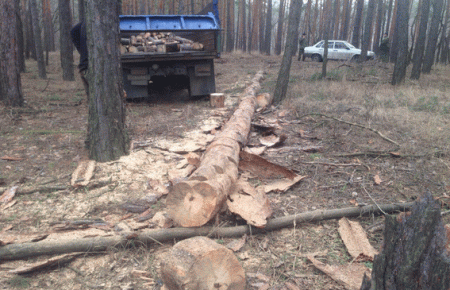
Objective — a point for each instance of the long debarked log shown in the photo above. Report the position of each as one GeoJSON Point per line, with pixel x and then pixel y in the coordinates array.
{"type": "Point", "coordinates": [97, 244]}
{"type": "Point", "coordinates": [194, 202]}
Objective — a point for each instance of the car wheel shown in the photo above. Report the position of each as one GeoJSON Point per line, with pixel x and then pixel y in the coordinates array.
{"type": "Point", "coordinates": [355, 57]}
{"type": "Point", "coordinates": [316, 57]}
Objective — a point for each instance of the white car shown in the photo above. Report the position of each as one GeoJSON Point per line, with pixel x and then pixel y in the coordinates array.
{"type": "Point", "coordinates": [337, 49]}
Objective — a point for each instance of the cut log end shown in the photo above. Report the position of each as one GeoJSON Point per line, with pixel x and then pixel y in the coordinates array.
{"type": "Point", "coordinates": [200, 263]}
{"type": "Point", "coordinates": [191, 206]}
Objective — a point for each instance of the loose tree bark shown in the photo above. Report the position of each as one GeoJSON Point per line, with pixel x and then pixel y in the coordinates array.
{"type": "Point", "coordinates": [10, 82]}
{"type": "Point", "coordinates": [194, 202]}
{"type": "Point", "coordinates": [414, 254]}
{"type": "Point", "coordinates": [201, 263]}
{"type": "Point", "coordinates": [108, 139]}
{"type": "Point", "coordinates": [402, 32]}
{"type": "Point", "coordinates": [289, 51]}
{"type": "Point", "coordinates": [96, 244]}
{"type": "Point", "coordinates": [66, 46]}
{"type": "Point", "coordinates": [420, 42]}
{"type": "Point", "coordinates": [37, 39]}
{"type": "Point", "coordinates": [430, 51]}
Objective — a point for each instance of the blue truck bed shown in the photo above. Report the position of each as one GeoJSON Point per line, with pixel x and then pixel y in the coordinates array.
{"type": "Point", "coordinates": [144, 70]}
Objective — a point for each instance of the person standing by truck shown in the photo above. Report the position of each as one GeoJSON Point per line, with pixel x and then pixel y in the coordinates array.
{"type": "Point", "coordinates": [301, 47]}
{"type": "Point", "coordinates": [78, 35]}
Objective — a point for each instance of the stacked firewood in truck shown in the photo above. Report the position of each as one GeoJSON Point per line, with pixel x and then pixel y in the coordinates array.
{"type": "Point", "coordinates": [154, 42]}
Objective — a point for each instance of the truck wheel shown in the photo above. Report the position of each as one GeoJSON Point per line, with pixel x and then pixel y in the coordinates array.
{"type": "Point", "coordinates": [316, 58]}
{"type": "Point", "coordinates": [355, 57]}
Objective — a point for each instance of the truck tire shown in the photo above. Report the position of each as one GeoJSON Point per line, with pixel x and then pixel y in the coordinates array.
{"type": "Point", "coordinates": [316, 58]}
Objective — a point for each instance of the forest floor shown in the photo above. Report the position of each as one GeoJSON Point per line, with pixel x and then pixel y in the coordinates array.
{"type": "Point", "coordinates": [340, 115]}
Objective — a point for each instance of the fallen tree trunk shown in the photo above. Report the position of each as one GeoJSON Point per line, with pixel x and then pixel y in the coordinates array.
{"type": "Point", "coordinates": [194, 202]}
{"type": "Point", "coordinates": [96, 244]}
{"type": "Point", "coordinates": [201, 263]}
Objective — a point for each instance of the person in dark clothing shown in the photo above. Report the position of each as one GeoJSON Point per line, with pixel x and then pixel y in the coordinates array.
{"type": "Point", "coordinates": [384, 48]}
{"type": "Point", "coordinates": [78, 35]}
{"type": "Point", "coordinates": [301, 47]}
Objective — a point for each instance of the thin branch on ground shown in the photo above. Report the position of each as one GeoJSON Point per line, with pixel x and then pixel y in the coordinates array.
{"type": "Point", "coordinates": [356, 125]}
{"type": "Point", "coordinates": [103, 243]}
{"type": "Point", "coordinates": [374, 200]}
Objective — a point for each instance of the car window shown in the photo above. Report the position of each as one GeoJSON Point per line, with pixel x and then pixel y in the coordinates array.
{"type": "Point", "coordinates": [319, 45]}
{"type": "Point", "coordinates": [330, 45]}
{"type": "Point", "coordinates": [340, 45]}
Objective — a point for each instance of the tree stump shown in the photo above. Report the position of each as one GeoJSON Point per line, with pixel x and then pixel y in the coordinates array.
{"type": "Point", "coordinates": [414, 254]}
{"type": "Point", "coordinates": [217, 100]}
{"type": "Point", "coordinates": [201, 264]}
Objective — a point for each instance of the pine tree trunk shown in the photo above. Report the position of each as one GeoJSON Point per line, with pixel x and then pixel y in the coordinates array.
{"type": "Point", "coordinates": [230, 25]}
{"type": "Point", "coordinates": [280, 27]}
{"type": "Point", "coordinates": [326, 13]}
{"type": "Point", "coordinates": [289, 51]}
{"type": "Point", "coordinates": [20, 38]}
{"type": "Point", "coordinates": [66, 47]}
{"type": "Point", "coordinates": [430, 51]}
{"type": "Point", "coordinates": [30, 50]}
{"type": "Point", "coordinates": [346, 21]}
{"type": "Point", "coordinates": [378, 25]}
{"type": "Point", "coordinates": [49, 34]}
{"type": "Point", "coordinates": [37, 39]}
{"type": "Point", "coordinates": [337, 15]}
{"type": "Point", "coordinates": [394, 34]}
{"type": "Point", "coordinates": [358, 22]}
{"type": "Point", "coordinates": [10, 83]}
{"type": "Point", "coordinates": [268, 34]}
{"type": "Point", "coordinates": [108, 139]}
{"type": "Point", "coordinates": [421, 38]}
{"type": "Point", "coordinates": [402, 33]}
{"type": "Point", "coordinates": [367, 30]}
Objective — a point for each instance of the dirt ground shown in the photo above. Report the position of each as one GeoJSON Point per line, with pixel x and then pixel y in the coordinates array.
{"type": "Point", "coordinates": [374, 143]}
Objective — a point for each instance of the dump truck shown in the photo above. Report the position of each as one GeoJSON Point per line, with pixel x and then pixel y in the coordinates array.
{"type": "Point", "coordinates": [169, 51]}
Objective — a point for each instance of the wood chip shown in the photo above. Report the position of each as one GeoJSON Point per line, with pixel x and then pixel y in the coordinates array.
{"type": "Point", "coordinates": [83, 174]}
{"type": "Point", "coordinates": [8, 195]}
{"type": "Point", "coordinates": [350, 275]}
{"type": "Point", "coordinates": [250, 203]}
{"type": "Point", "coordinates": [282, 185]}
{"type": "Point", "coordinates": [355, 239]}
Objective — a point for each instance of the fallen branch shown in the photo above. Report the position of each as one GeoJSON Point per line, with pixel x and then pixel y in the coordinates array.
{"type": "Point", "coordinates": [96, 244]}
{"type": "Point", "coordinates": [57, 187]}
{"type": "Point", "coordinates": [356, 125]}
